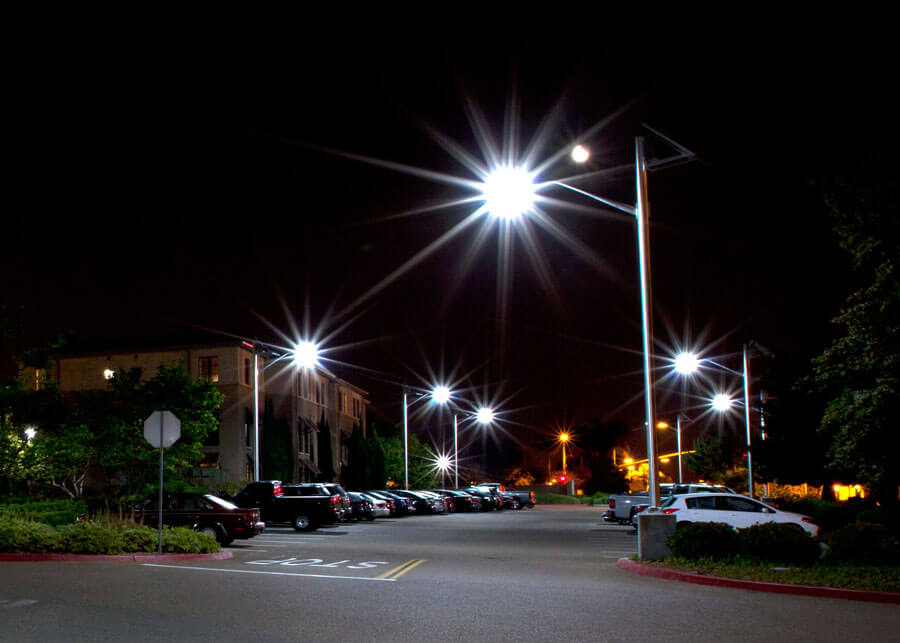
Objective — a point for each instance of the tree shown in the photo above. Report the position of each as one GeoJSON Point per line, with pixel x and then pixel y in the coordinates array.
{"type": "Point", "coordinates": [423, 473]}
{"type": "Point", "coordinates": [712, 456]}
{"type": "Point", "coordinates": [597, 441]}
{"type": "Point", "coordinates": [276, 446]}
{"type": "Point", "coordinates": [519, 476]}
{"type": "Point", "coordinates": [379, 467]}
{"type": "Point", "coordinates": [860, 371]}
{"type": "Point", "coordinates": [326, 467]}
{"type": "Point", "coordinates": [103, 431]}
{"type": "Point", "coordinates": [360, 462]}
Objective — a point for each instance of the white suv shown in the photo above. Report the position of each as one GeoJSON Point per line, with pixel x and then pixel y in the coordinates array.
{"type": "Point", "coordinates": [731, 509]}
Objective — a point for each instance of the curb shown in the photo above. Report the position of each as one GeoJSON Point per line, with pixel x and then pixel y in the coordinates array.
{"type": "Point", "coordinates": [758, 586]}
{"type": "Point", "coordinates": [110, 558]}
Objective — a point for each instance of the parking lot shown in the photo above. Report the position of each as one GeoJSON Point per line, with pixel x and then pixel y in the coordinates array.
{"type": "Point", "coordinates": [546, 574]}
{"type": "Point", "coordinates": [389, 549]}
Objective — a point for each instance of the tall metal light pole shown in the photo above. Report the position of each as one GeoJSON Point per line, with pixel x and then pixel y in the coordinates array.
{"type": "Point", "coordinates": [642, 214]}
{"type": "Point", "coordinates": [455, 453]}
{"type": "Point", "coordinates": [405, 443]}
{"type": "Point", "coordinates": [747, 418]}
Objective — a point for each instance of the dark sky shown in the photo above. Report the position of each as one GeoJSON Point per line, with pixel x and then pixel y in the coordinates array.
{"type": "Point", "coordinates": [151, 190]}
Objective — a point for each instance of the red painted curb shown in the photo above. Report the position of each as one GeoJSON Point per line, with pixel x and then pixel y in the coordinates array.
{"type": "Point", "coordinates": [758, 586]}
{"type": "Point", "coordinates": [107, 558]}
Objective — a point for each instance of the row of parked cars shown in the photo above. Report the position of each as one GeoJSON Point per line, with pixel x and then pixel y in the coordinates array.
{"type": "Point", "coordinates": [706, 503]}
{"type": "Point", "coordinates": [308, 506]}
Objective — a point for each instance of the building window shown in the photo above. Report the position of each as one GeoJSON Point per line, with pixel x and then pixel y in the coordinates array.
{"type": "Point", "coordinates": [305, 436]}
{"type": "Point", "coordinates": [248, 372]}
{"type": "Point", "coordinates": [209, 368]}
{"type": "Point", "coordinates": [248, 425]}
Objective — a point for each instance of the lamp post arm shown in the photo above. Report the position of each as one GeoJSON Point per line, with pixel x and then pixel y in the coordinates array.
{"type": "Point", "coordinates": [627, 209]}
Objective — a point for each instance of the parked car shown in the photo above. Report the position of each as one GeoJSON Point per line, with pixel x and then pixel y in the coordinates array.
{"type": "Point", "coordinates": [462, 501]}
{"type": "Point", "coordinates": [446, 504]}
{"type": "Point", "coordinates": [379, 505]}
{"type": "Point", "coordinates": [423, 504]}
{"type": "Point", "coordinates": [490, 501]}
{"type": "Point", "coordinates": [398, 505]}
{"type": "Point", "coordinates": [523, 498]}
{"type": "Point", "coordinates": [731, 509]}
{"type": "Point", "coordinates": [208, 514]}
{"type": "Point", "coordinates": [335, 488]}
{"type": "Point", "coordinates": [361, 507]}
{"type": "Point", "coordinates": [624, 506]}
{"type": "Point", "coordinates": [304, 506]}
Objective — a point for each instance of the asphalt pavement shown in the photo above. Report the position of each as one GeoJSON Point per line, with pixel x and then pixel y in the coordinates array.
{"type": "Point", "coordinates": [547, 574]}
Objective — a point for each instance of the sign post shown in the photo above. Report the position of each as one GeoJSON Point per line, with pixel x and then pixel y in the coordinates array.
{"type": "Point", "coordinates": [162, 429]}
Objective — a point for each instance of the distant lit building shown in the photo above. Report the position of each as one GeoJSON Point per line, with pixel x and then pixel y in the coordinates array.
{"type": "Point", "coordinates": [301, 397]}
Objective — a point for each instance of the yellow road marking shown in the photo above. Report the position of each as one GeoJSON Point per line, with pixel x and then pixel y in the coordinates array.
{"type": "Point", "coordinates": [399, 570]}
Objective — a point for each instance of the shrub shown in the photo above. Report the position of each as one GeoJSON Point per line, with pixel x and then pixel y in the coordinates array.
{"type": "Point", "coordinates": [864, 543]}
{"type": "Point", "coordinates": [187, 541]}
{"type": "Point", "coordinates": [828, 514]}
{"type": "Point", "coordinates": [26, 536]}
{"type": "Point", "coordinates": [778, 543]}
{"type": "Point", "coordinates": [887, 516]}
{"type": "Point", "coordinates": [138, 539]}
{"type": "Point", "coordinates": [704, 540]}
{"type": "Point", "coordinates": [90, 538]}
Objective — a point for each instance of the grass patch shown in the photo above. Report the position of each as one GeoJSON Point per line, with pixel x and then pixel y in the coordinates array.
{"type": "Point", "coordinates": [864, 577]}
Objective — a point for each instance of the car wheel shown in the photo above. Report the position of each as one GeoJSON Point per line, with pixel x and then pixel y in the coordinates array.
{"type": "Point", "coordinates": [302, 522]}
{"type": "Point", "coordinates": [530, 505]}
{"type": "Point", "coordinates": [210, 531]}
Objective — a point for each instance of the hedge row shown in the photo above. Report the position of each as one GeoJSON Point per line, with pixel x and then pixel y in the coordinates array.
{"type": "Point", "coordinates": [787, 544]}
{"type": "Point", "coordinates": [50, 512]}
{"type": "Point", "coordinates": [91, 538]}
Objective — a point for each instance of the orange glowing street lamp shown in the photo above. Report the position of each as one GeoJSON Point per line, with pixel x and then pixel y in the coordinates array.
{"type": "Point", "coordinates": [563, 438]}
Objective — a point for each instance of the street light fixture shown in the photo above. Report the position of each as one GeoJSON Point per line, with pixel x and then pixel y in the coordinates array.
{"type": "Point", "coordinates": [563, 439]}
{"type": "Point", "coordinates": [641, 213]}
{"type": "Point", "coordinates": [442, 395]}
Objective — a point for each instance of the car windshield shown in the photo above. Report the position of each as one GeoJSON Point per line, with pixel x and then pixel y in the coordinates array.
{"type": "Point", "coordinates": [667, 502]}
{"type": "Point", "coordinates": [224, 504]}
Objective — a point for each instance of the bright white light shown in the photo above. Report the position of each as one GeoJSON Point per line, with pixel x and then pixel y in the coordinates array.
{"type": "Point", "coordinates": [306, 355]}
{"type": "Point", "coordinates": [509, 192]}
{"type": "Point", "coordinates": [443, 462]}
{"type": "Point", "coordinates": [580, 154]}
{"type": "Point", "coordinates": [440, 394]}
{"type": "Point", "coordinates": [686, 363]}
{"type": "Point", "coordinates": [485, 415]}
{"type": "Point", "coordinates": [30, 432]}
{"type": "Point", "coordinates": [108, 374]}
{"type": "Point", "coordinates": [721, 402]}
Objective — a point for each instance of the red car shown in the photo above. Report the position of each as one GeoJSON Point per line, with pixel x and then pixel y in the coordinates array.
{"type": "Point", "coordinates": [207, 514]}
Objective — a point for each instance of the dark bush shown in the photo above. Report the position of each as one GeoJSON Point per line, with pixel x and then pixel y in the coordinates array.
{"type": "Point", "coordinates": [864, 543]}
{"type": "Point", "coordinates": [828, 514]}
{"type": "Point", "coordinates": [778, 543]}
{"type": "Point", "coordinates": [704, 540]}
{"type": "Point", "coordinates": [90, 538]}
{"type": "Point", "coordinates": [29, 537]}
{"type": "Point", "coordinates": [187, 541]}
{"type": "Point", "coordinates": [138, 539]}
{"type": "Point", "coordinates": [887, 516]}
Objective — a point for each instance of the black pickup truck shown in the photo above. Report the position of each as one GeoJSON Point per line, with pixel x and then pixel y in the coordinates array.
{"type": "Point", "coordinates": [303, 506]}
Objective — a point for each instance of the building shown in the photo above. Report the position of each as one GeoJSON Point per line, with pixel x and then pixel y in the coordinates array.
{"type": "Point", "coordinates": [301, 397]}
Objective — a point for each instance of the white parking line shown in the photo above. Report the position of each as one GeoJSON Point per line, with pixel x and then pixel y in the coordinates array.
{"type": "Point", "coordinates": [247, 571]}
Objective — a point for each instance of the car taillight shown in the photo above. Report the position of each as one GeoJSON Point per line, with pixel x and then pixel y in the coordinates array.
{"type": "Point", "coordinates": [335, 500]}
{"type": "Point", "coordinates": [612, 503]}
{"type": "Point", "coordinates": [278, 492]}
{"type": "Point", "coordinates": [670, 510]}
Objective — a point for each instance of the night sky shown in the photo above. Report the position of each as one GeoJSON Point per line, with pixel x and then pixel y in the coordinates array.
{"type": "Point", "coordinates": [152, 191]}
